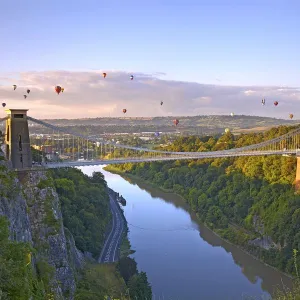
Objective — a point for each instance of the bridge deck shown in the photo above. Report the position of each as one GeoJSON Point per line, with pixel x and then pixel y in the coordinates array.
{"type": "Point", "coordinates": [199, 155]}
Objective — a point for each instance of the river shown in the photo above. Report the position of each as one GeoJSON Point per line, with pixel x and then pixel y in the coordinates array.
{"type": "Point", "coordinates": [183, 259]}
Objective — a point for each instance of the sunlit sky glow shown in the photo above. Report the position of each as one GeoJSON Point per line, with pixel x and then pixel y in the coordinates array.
{"type": "Point", "coordinates": [199, 57]}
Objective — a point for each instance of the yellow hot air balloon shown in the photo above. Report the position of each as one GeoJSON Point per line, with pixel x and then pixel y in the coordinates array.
{"type": "Point", "coordinates": [62, 90]}
{"type": "Point", "coordinates": [227, 130]}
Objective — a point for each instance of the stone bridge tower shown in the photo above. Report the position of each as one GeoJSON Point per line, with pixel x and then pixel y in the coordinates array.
{"type": "Point", "coordinates": [297, 180]}
{"type": "Point", "coordinates": [17, 142]}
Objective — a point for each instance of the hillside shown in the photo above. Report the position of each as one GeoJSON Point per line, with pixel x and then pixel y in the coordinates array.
{"type": "Point", "coordinates": [188, 124]}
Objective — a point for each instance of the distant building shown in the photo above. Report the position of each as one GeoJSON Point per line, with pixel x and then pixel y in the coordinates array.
{"type": "Point", "coordinates": [47, 149]}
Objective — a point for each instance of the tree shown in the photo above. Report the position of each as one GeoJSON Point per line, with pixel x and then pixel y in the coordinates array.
{"type": "Point", "coordinates": [16, 277]}
{"type": "Point", "coordinates": [139, 288]}
{"type": "Point", "coordinates": [127, 268]}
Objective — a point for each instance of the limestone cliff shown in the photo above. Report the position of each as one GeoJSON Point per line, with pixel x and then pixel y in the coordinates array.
{"type": "Point", "coordinates": [13, 204]}
{"type": "Point", "coordinates": [264, 241]}
{"type": "Point", "coordinates": [32, 207]}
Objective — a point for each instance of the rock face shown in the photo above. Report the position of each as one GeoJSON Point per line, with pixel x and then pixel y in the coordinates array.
{"type": "Point", "coordinates": [33, 210]}
{"type": "Point", "coordinates": [265, 241]}
{"type": "Point", "coordinates": [13, 205]}
{"type": "Point", "coordinates": [76, 257]}
{"type": "Point", "coordinates": [48, 232]}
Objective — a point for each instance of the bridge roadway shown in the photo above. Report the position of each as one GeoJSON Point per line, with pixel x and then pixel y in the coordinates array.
{"type": "Point", "coordinates": [200, 155]}
{"type": "Point", "coordinates": [110, 249]}
{"type": "Point", "coordinates": [196, 155]}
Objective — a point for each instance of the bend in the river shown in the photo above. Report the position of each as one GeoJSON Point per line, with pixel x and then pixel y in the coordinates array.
{"type": "Point", "coordinates": [182, 258]}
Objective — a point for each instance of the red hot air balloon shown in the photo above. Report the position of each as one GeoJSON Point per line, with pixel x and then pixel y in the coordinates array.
{"type": "Point", "coordinates": [124, 110]}
{"type": "Point", "coordinates": [131, 77]}
{"type": "Point", "coordinates": [276, 103]}
{"type": "Point", "coordinates": [104, 75]}
{"type": "Point", "coordinates": [57, 89]}
{"type": "Point", "coordinates": [176, 122]}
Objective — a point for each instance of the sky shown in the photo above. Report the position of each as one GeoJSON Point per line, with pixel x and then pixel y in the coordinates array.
{"type": "Point", "coordinates": [212, 51]}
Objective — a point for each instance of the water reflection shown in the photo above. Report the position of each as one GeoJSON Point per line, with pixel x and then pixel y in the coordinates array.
{"type": "Point", "coordinates": [186, 264]}
{"type": "Point", "coordinates": [252, 268]}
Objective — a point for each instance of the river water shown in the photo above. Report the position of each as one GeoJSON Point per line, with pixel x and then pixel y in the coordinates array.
{"type": "Point", "coordinates": [182, 258]}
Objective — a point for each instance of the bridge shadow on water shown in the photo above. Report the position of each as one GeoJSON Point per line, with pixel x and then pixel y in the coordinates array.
{"type": "Point", "coordinates": [253, 269]}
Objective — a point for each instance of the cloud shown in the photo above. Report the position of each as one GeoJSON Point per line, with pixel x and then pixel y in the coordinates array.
{"type": "Point", "coordinates": [88, 94]}
{"type": "Point", "coordinates": [249, 92]}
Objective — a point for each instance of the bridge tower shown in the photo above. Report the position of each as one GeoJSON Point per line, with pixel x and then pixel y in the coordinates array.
{"type": "Point", "coordinates": [297, 180]}
{"type": "Point", "coordinates": [17, 142]}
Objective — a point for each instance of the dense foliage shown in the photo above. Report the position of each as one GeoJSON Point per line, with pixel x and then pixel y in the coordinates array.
{"type": "Point", "coordinates": [240, 198]}
{"type": "Point", "coordinates": [121, 281]}
{"type": "Point", "coordinates": [99, 281]}
{"type": "Point", "coordinates": [225, 141]}
{"type": "Point", "coordinates": [137, 282]}
{"type": "Point", "coordinates": [85, 207]}
{"type": "Point", "coordinates": [17, 278]}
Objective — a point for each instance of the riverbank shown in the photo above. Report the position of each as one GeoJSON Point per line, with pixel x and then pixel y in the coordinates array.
{"type": "Point", "coordinates": [214, 231]}
{"type": "Point", "coordinates": [125, 247]}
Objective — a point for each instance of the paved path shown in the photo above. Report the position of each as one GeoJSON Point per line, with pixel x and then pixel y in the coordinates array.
{"type": "Point", "coordinates": [110, 249]}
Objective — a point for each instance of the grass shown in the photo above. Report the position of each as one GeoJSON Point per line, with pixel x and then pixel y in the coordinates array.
{"type": "Point", "coordinates": [290, 294]}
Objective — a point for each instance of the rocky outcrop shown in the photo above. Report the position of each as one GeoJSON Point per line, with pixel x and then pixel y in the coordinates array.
{"type": "Point", "coordinates": [33, 210]}
{"type": "Point", "coordinates": [264, 241]}
{"type": "Point", "coordinates": [48, 232]}
{"type": "Point", "coordinates": [13, 205]}
{"type": "Point", "coordinates": [76, 257]}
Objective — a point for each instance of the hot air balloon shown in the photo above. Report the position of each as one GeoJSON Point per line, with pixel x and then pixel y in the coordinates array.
{"type": "Point", "coordinates": [263, 101]}
{"type": "Point", "coordinates": [156, 134]}
{"type": "Point", "coordinates": [124, 110]}
{"type": "Point", "coordinates": [28, 91]}
{"type": "Point", "coordinates": [232, 114]}
{"type": "Point", "coordinates": [25, 96]}
{"type": "Point", "coordinates": [176, 122]}
{"type": "Point", "coordinates": [227, 130]}
{"type": "Point", "coordinates": [3, 104]}
{"type": "Point", "coordinates": [291, 116]}
{"type": "Point", "coordinates": [131, 77]}
{"type": "Point", "coordinates": [276, 103]}
{"type": "Point", "coordinates": [161, 103]}
{"type": "Point", "coordinates": [104, 75]}
{"type": "Point", "coordinates": [57, 89]}
{"type": "Point", "coordinates": [14, 86]}
{"type": "Point", "coordinates": [62, 90]}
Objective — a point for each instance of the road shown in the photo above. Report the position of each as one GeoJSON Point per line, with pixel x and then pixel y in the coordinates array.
{"type": "Point", "coordinates": [110, 251]}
